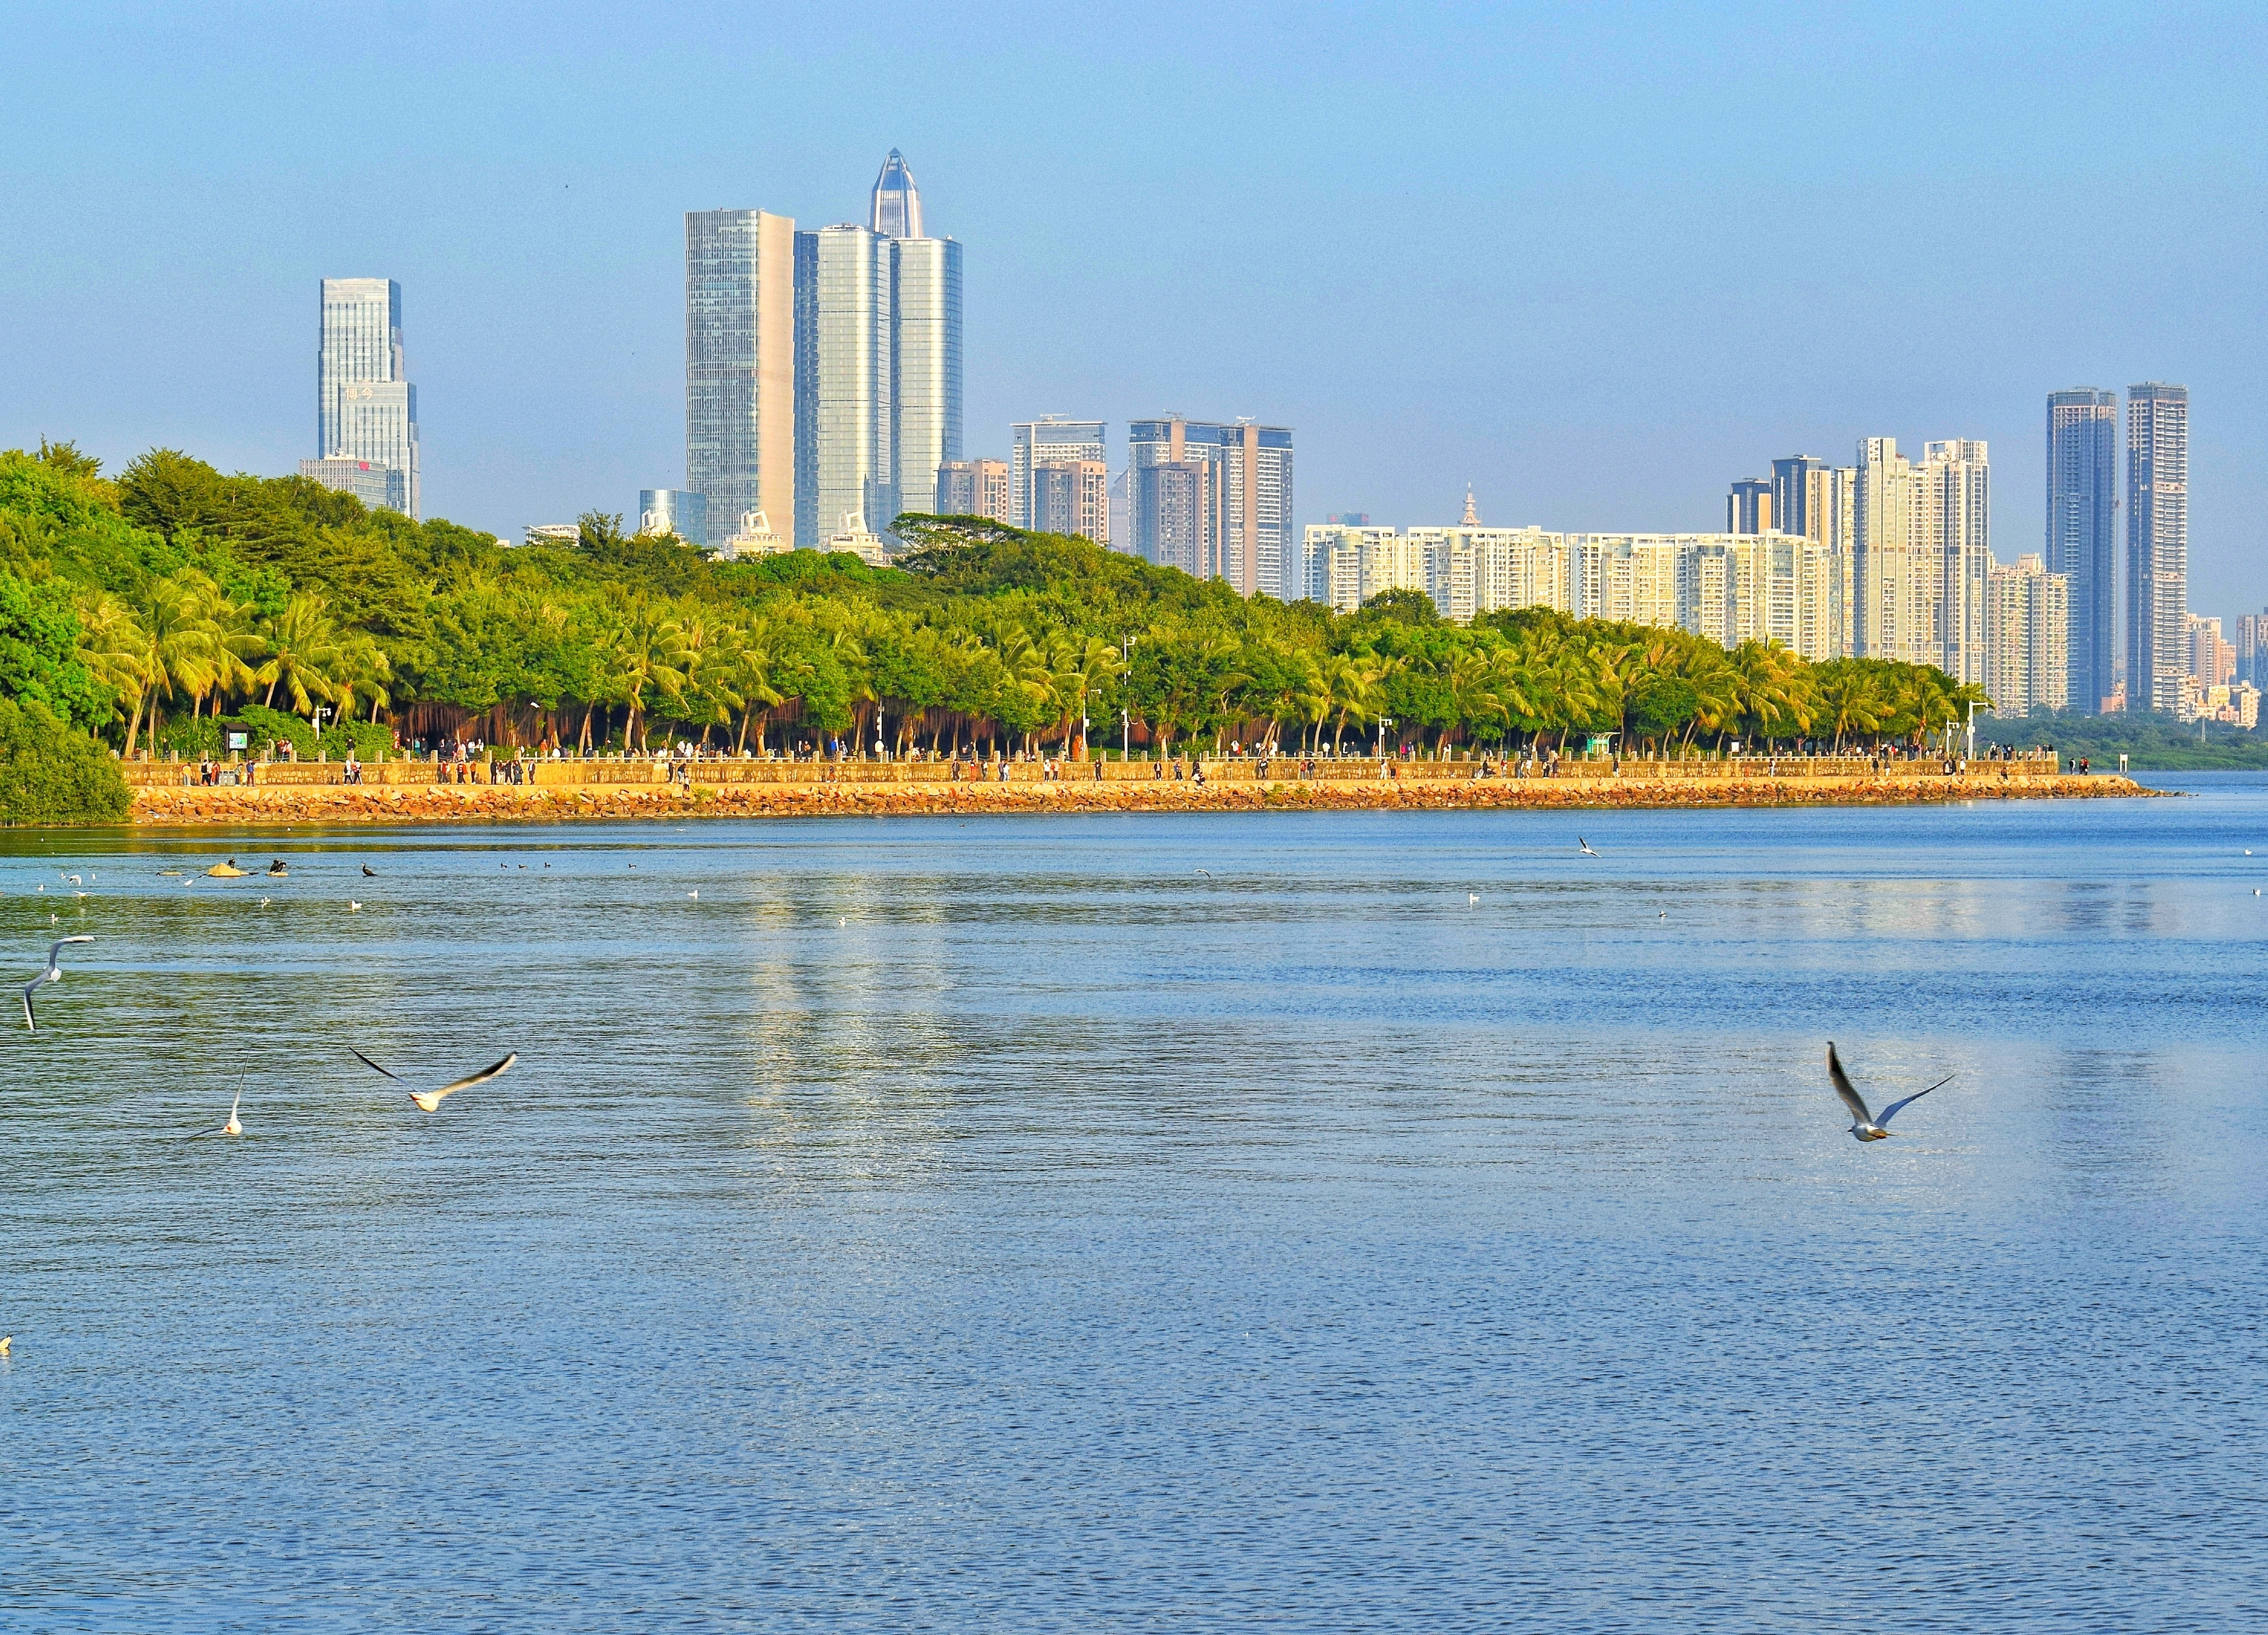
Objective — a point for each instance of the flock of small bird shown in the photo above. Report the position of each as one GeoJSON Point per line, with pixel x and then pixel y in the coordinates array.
{"type": "Point", "coordinates": [426, 1101]}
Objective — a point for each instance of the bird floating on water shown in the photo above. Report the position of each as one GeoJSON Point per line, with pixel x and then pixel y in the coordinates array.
{"type": "Point", "coordinates": [369, 873]}
{"type": "Point", "coordinates": [1584, 846]}
{"type": "Point", "coordinates": [694, 896]}
{"type": "Point", "coordinates": [431, 1101]}
{"type": "Point", "coordinates": [277, 870]}
{"type": "Point", "coordinates": [75, 881]}
{"type": "Point", "coordinates": [232, 1128]}
{"type": "Point", "coordinates": [1864, 1125]}
{"type": "Point", "coordinates": [53, 973]}
{"type": "Point", "coordinates": [353, 907]}
{"type": "Point", "coordinates": [6, 1340]}
{"type": "Point", "coordinates": [1472, 896]}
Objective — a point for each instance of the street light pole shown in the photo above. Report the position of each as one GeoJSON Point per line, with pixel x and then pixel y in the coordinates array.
{"type": "Point", "coordinates": [1383, 723]}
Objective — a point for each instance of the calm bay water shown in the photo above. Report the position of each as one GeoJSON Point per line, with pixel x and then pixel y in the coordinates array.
{"type": "Point", "coordinates": [1000, 1225]}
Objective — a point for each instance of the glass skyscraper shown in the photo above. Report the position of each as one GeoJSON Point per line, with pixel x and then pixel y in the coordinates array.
{"type": "Point", "coordinates": [2081, 546]}
{"type": "Point", "coordinates": [741, 406]}
{"type": "Point", "coordinates": [845, 361]}
{"type": "Point", "coordinates": [366, 408]}
{"type": "Point", "coordinates": [2157, 545]}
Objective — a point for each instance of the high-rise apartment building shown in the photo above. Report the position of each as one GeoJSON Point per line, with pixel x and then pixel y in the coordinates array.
{"type": "Point", "coordinates": [1224, 510]}
{"type": "Point", "coordinates": [2157, 544]}
{"type": "Point", "coordinates": [974, 487]}
{"type": "Point", "coordinates": [1073, 497]}
{"type": "Point", "coordinates": [1921, 538]}
{"type": "Point", "coordinates": [823, 368]}
{"type": "Point", "coordinates": [678, 511]}
{"type": "Point", "coordinates": [1749, 508]}
{"type": "Point", "coordinates": [1956, 540]}
{"type": "Point", "coordinates": [2027, 615]}
{"type": "Point", "coordinates": [740, 361]}
{"type": "Point", "coordinates": [2082, 547]}
{"type": "Point", "coordinates": [2211, 656]}
{"type": "Point", "coordinates": [366, 408]}
{"type": "Point", "coordinates": [1792, 491]}
{"type": "Point", "coordinates": [1052, 440]}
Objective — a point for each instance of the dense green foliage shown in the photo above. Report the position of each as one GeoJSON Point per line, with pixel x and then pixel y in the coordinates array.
{"type": "Point", "coordinates": [188, 599]}
{"type": "Point", "coordinates": [50, 772]}
{"type": "Point", "coordinates": [2155, 743]}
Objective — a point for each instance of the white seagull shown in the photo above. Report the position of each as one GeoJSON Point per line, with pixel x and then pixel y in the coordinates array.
{"type": "Point", "coordinates": [1584, 846]}
{"type": "Point", "coordinates": [53, 973]}
{"type": "Point", "coordinates": [430, 1100]}
{"type": "Point", "coordinates": [1864, 1125]}
{"type": "Point", "coordinates": [232, 1128]}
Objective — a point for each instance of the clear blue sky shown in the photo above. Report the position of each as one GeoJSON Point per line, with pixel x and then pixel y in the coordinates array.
{"type": "Point", "coordinates": [1595, 261]}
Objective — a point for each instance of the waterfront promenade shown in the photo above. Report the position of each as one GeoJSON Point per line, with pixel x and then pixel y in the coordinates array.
{"type": "Point", "coordinates": [408, 790]}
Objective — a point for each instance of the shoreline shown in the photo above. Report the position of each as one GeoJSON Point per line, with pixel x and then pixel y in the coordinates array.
{"type": "Point", "coordinates": [201, 808]}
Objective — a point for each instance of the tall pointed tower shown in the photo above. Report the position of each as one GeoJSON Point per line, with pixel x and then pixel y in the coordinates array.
{"type": "Point", "coordinates": [897, 201]}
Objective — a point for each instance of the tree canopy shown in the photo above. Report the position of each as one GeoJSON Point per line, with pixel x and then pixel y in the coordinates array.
{"type": "Point", "coordinates": [148, 607]}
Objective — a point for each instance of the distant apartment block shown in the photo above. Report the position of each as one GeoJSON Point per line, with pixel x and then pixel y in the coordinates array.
{"type": "Point", "coordinates": [1729, 587]}
{"type": "Point", "coordinates": [1921, 552]}
{"type": "Point", "coordinates": [1050, 440]}
{"type": "Point", "coordinates": [1073, 497]}
{"type": "Point", "coordinates": [2027, 615]}
{"type": "Point", "coordinates": [678, 511]}
{"type": "Point", "coordinates": [365, 408]}
{"type": "Point", "coordinates": [551, 534]}
{"type": "Point", "coordinates": [2212, 658]}
{"type": "Point", "coordinates": [1215, 499]}
{"type": "Point", "coordinates": [974, 487]}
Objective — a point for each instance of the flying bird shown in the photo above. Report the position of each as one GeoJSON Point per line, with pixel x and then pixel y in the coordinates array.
{"type": "Point", "coordinates": [53, 973]}
{"type": "Point", "coordinates": [1864, 1125]}
{"type": "Point", "coordinates": [430, 1100]}
{"type": "Point", "coordinates": [1472, 896]}
{"type": "Point", "coordinates": [694, 896]}
{"type": "Point", "coordinates": [75, 881]}
{"type": "Point", "coordinates": [232, 1128]}
{"type": "Point", "coordinates": [1584, 846]}
{"type": "Point", "coordinates": [1206, 872]}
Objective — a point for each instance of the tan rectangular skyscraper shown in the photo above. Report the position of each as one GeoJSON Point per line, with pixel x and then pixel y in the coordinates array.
{"type": "Point", "coordinates": [739, 364]}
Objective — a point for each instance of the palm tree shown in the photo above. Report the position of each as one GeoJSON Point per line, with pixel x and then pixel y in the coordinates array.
{"type": "Point", "coordinates": [303, 653]}
{"type": "Point", "coordinates": [646, 660]}
{"type": "Point", "coordinates": [171, 643]}
{"type": "Point", "coordinates": [112, 646]}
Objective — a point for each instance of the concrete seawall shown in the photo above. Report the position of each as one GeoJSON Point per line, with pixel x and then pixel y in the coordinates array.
{"type": "Point", "coordinates": [809, 789]}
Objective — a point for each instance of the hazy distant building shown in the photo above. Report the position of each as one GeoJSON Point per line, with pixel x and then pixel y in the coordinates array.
{"type": "Point", "coordinates": [926, 402]}
{"type": "Point", "coordinates": [853, 535]}
{"type": "Point", "coordinates": [552, 534]}
{"type": "Point", "coordinates": [1052, 440]}
{"type": "Point", "coordinates": [366, 408]}
{"type": "Point", "coordinates": [679, 512]}
{"type": "Point", "coordinates": [1885, 593]}
{"type": "Point", "coordinates": [974, 487]}
{"type": "Point", "coordinates": [2157, 544]}
{"type": "Point", "coordinates": [1238, 521]}
{"type": "Point", "coordinates": [2252, 647]}
{"type": "Point", "coordinates": [2027, 620]}
{"type": "Point", "coordinates": [2082, 544]}
{"type": "Point", "coordinates": [740, 361]}
{"type": "Point", "coordinates": [1073, 497]}
{"type": "Point", "coordinates": [1921, 552]}
{"type": "Point", "coordinates": [1748, 509]}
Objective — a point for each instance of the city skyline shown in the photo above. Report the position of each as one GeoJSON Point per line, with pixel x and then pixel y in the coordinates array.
{"type": "Point", "coordinates": [1617, 385]}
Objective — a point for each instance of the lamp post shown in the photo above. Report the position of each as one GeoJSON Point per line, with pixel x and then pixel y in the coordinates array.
{"type": "Point", "coordinates": [1972, 729]}
{"type": "Point", "coordinates": [1126, 734]}
{"type": "Point", "coordinates": [1384, 722]}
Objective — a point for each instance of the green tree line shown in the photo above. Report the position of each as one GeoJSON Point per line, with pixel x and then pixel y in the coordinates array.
{"type": "Point", "coordinates": [148, 607]}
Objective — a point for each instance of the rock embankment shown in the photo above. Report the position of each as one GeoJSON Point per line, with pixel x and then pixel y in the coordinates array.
{"type": "Point", "coordinates": [238, 807]}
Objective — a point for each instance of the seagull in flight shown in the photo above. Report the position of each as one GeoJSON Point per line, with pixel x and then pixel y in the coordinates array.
{"type": "Point", "coordinates": [1864, 1125]}
{"type": "Point", "coordinates": [1206, 872]}
{"type": "Point", "coordinates": [430, 1100]}
{"type": "Point", "coordinates": [53, 973]}
{"type": "Point", "coordinates": [1584, 846]}
{"type": "Point", "coordinates": [232, 1128]}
